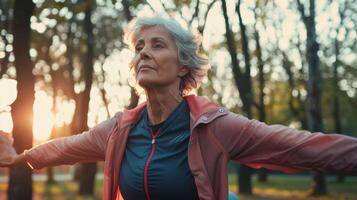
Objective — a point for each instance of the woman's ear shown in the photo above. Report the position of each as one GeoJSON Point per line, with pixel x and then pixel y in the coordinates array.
{"type": "Point", "coordinates": [183, 71]}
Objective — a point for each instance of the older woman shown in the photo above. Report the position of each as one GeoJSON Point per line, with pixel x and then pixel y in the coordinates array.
{"type": "Point", "coordinates": [177, 146]}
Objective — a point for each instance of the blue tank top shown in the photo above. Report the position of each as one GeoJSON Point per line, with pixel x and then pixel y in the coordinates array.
{"type": "Point", "coordinates": [158, 169]}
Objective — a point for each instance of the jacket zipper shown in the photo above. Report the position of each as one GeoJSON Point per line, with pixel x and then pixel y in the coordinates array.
{"type": "Point", "coordinates": [146, 169]}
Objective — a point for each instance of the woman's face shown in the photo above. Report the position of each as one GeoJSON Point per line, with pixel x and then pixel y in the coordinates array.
{"type": "Point", "coordinates": [156, 61]}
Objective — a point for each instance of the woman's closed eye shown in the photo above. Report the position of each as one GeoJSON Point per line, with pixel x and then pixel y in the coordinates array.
{"type": "Point", "coordinates": [138, 48]}
{"type": "Point", "coordinates": [154, 45]}
{"type": "Point", "coordinates": [158, 45]}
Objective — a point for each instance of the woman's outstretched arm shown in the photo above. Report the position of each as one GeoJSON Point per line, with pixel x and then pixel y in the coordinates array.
{"type": "Point", "coordinates": [88, 146]}
{"type": "Point", "coordinates": [278, 147]}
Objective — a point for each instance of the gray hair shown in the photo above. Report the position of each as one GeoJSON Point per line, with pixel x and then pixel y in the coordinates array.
{"type": "Point", "coordinates": [187, 45]}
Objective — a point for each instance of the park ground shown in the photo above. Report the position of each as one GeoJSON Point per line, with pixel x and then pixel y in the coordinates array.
{"type": "Point", "coordinates": [278, 187]}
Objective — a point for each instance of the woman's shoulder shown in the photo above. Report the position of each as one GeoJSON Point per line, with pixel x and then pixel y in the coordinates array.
{"type": "Point", "coordinates": [106, 125]}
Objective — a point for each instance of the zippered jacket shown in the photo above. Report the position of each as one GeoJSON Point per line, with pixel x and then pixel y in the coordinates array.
{"type": "Point", "coordinates": [217, 136]}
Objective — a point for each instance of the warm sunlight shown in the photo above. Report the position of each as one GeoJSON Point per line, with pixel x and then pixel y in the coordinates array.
{"type": "Point", "coordinates": [64, 113]}
{"type": "Point", "coordinates": [43, 119]}
{"type": "Point", "coordinates": [8, 92]}
{"type": "Point", "coordinates": [8, 95]}
{"type": "Point", "coordinates": [6, 122]}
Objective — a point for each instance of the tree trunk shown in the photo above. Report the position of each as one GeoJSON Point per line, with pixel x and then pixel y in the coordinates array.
{"type": "Point", "coordinates": [336, 100]}
{"type": "Point", "coordinates": [244, 85]}
{"type": "Point", "coordinates": [20, 182]}
{"type": "Point", "coordinates": [75, 123]}
{"type": "Point", "coordinates": [244, 181]}
{"type": "Point", "coordinates": [318, 184]}
{"type": "Point", "coordinates": [262, 173]}
{"type": "Point", "coordinates": [301, 82]}
{"type": "Point", "coordinates": [49, 173]}
{"type": "Point", "coordinates": [315, 93]}
{"type": "Point", "coordinates": [88, 170]}
{"type": "Point", "coordinates": [314, 87]}
{"type": "Point", "coordinates": [87, 179]}
{"type": "Point", "coordinates": [134, 97]}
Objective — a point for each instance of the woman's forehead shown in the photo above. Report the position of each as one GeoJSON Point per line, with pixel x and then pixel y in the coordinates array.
{"type": "Point", "coordinates": [150, 32]}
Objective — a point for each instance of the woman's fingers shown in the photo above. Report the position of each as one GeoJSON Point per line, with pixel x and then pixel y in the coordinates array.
{"type": "Point", "coordinates": [7, 151]}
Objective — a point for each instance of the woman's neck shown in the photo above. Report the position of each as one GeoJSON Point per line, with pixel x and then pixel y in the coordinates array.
{"type": "Point", "coordinates": [161, 103]}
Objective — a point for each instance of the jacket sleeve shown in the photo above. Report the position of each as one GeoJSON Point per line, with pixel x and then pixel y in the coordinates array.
{"type": "Point", "coordinates": [89, 146]}
{"type": "Point", "coordinates": [278, 147]}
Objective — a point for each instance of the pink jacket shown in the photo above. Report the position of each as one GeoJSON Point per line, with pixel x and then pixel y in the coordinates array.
{"type": "Point", "coordinates": [217, 136]}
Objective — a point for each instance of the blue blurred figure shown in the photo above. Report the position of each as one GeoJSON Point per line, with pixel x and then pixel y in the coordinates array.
{"type": "Point", "coordinates": [232, 196]}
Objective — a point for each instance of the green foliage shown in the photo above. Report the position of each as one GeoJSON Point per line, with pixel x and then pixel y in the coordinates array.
{"type": "Point", "coordinates": [284, 186]}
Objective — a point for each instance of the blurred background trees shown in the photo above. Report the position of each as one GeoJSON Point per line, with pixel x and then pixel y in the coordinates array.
{"type": "Point", "coordinates": [288, 62]}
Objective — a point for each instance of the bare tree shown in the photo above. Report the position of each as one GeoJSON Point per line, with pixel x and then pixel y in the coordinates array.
{"type": "Point", "coordinates": [336, 65]}
{"type": "Point", "coordinates": [263, 173]}
{"type": "Point", "coordinates": [88, 170]}
{"type": "Point", "coordinates": [244, 180]}
{"type": "Point", "coordinates": [20, 182]}
{"type": "Point", "coordinates": [243, 83]}
{"type": "Point", "coordinates": [314, 85]}
{"type": "Point", "coordinates": [134, 97]}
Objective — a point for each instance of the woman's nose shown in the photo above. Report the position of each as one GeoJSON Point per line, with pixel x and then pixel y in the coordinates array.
{"type": "Point", "coordinates": [144, 54]}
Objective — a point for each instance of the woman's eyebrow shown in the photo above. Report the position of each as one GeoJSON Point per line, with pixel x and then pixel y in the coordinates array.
{"type": "Point", "coordinates": [138, 41]}
{"type": "Point", "coordinates": [158, 39]}
{"type": "Point", "coordinates": [153, 39]}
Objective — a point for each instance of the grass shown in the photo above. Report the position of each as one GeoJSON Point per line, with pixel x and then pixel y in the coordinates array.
{"type": "Point", "coordinates": [297, 187]}
{"type": "Point", "coordinates": [278, 187]}
{"type": "Point", "coordinates": [57, 191]}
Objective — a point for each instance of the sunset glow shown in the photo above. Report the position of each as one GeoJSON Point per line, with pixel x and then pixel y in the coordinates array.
{"type": "Point", "coordinates": [43, 118]}
{"type": "Point", "coordinates": [8, 95]}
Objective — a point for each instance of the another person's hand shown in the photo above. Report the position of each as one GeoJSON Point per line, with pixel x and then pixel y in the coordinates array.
{"type": "Point", "coordinates": [8, 155]}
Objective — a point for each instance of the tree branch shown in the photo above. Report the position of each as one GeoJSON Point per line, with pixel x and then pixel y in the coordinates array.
{"type": "Point", "coordinates": [301, 8]}
{"type": "Point", "coordinates": [312, 9]}
{"type": "Point", "coordinates": [127, 12]}
{"type": "Point", "coordinates": [153, 9]}
{"type": "Point", "coordinates": [202, 28]}
{"type": "Point", "coordinates": [195, 14]}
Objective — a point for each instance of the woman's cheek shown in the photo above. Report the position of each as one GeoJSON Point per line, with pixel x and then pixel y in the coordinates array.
{"type": "Point", "coordinates": [134, 64]}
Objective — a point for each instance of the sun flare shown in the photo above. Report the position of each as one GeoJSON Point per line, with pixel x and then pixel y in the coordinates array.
{"type": "Point", "coordinates": [43, 117]}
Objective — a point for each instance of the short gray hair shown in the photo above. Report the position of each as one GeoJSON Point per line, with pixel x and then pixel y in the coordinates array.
{"type": "Point", "coordinates": [187, 45]}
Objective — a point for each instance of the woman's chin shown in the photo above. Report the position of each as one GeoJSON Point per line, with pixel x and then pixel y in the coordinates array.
{"type": "Point", "coordinates": [145, 83]}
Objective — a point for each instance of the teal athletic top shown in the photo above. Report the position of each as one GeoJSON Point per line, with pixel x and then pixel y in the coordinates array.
{"type": "Point", "coordinates": [155, 165]}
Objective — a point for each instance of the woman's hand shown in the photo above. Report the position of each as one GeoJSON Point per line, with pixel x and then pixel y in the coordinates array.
{"type": "Point", "coordinates": [8, 155]}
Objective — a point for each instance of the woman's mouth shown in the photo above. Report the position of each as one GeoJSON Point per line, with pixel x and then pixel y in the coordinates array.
{"type": "Point", "coordinates": [145, 67]}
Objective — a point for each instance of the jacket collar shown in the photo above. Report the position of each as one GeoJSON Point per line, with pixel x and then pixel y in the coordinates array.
{"type": "Point", "coordinates": [198, 106]}
{"type": "Point", "coordinates": [130, 116]}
